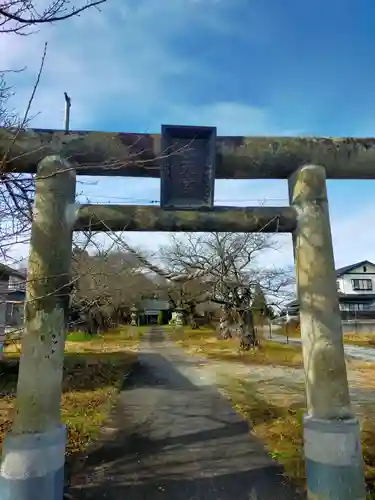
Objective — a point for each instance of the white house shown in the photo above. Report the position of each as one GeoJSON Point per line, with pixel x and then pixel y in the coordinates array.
{"type": "Point", "coordinates": [356, 286]}
{"type": "Point", "coordinates": [12, 295]}
{"type": "Point", "coordinates": [356, 291]}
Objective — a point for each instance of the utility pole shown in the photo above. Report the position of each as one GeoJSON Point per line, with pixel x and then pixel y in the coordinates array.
{"type": "Point", "coordinates": [33, 458]}
{"type": "Point", "coordinates": [334, 464]}
{"type": "Point", "coordinates": [68, 104]}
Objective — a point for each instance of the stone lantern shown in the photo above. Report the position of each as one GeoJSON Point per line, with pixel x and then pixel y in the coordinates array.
{"type": "Point", "coordinates": [134, 316]}
{"type": "Point", "coordinates": [179, 316]}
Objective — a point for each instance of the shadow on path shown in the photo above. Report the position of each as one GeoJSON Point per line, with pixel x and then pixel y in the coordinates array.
{"type": "Point", "coordinates": [175, 439]}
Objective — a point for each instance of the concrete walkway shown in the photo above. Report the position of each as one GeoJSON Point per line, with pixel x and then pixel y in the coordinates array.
{"type": "Point", "coordinates": [174, 437]}
{"type": "Point", "coordinates": [351, 351]}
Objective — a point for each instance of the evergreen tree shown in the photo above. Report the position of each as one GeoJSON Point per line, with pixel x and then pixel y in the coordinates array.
{"type": "Point", "coordinates": [259, 306]}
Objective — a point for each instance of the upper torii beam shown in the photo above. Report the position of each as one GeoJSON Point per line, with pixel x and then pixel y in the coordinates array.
{"type": "Point", "coordinates": [138, 155]}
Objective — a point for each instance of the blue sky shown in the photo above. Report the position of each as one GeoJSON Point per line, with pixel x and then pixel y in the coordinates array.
{"type": "Point", "coordinates": [248, 67]}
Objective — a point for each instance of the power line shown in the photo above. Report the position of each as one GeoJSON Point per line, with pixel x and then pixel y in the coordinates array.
{"type": "Point", "coordinates": [147, 200]}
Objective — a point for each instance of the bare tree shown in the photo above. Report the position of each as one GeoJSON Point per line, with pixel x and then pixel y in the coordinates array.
{"type": "Point", "coordinates": [16, 16]}
{"type": "Point", "coordinates": [106, 284]}
{"type": "Point", "coordinates": [184, 287]}
{"type": "Point", "coordinates": [187, 295]}
{"type": "Point", "coordinates": [16, 190]}
{"type": "Point", "coordinates": [19, 18]}
{"type": "Point", "coordinates": [232, 274]}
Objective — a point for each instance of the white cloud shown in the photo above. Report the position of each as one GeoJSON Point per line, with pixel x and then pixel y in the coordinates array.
{"type": "Point", "coordinates": [119, 58]}
{"type": "Point", "coordinates": [230, 118]}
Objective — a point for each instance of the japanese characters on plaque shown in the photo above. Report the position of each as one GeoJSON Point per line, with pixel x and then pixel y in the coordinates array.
{"type": "Point", "coordinates": [187, 167]}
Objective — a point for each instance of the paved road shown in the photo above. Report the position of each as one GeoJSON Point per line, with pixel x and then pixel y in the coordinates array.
{"type": "Point", "coordinates": [175, 437]}
{"type": "Point", "coordinates": [352, 351]}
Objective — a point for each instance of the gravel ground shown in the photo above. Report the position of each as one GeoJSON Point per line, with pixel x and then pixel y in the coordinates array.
{"type": "Point", "coordinates": [278, 381]}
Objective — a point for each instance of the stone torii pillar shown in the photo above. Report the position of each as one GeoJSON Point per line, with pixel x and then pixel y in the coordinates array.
{"type": "Point", "coordinates": [334, 464]}
{"type": "Point", "coordinates": [33, 456]}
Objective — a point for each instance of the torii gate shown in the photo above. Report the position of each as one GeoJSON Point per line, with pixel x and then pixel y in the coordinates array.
{"type": "Point", "coordinates": [188, 159]}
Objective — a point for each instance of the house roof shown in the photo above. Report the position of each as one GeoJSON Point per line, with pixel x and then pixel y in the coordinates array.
{"type": "Point", "coordinates": [293, 303]}
{"type": "Point", "coordinates": [6, 271]}
{"type": "Point", "coordinates": [155, 304]}
{"type": "Point", "coordinates": [347, 269]}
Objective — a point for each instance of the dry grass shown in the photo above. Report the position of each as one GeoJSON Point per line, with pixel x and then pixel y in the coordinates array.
{"type": "Point", "coordinates": [280, 428]}
{"type": "Point", "coordinates": [359, 340]}
{"type": "Point", "coordinates": [205, 343]}
{"type": "Point", "coordinates": [368, 448]}
{"type": "Point", "coordinates": [292, 329]}
{"type": "Point", "coordinates": [93, 372]}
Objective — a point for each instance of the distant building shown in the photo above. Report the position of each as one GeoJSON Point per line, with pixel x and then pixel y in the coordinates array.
{"type": "Point", "coordinates": [12, 297]}
{"type": "Point", "coordinates": [150, 309]}
{"type": "Point", "coordinates": [356, 292]}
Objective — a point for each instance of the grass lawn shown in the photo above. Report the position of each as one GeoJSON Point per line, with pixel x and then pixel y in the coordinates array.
{"type": "Point", "coordinates": [93, 372]}
{"type": "Point", "coordinates": [279, 425]}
